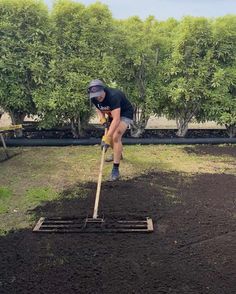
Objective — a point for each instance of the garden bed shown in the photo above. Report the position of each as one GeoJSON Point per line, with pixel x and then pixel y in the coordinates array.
{"type": "Point", "coordinates": [95, 131]}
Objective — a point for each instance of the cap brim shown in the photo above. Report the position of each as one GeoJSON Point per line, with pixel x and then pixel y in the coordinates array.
{"type": "Point", "coordinates": [96, 94]}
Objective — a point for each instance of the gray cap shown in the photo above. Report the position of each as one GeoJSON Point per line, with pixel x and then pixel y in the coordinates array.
{"type": "Point", "coordinates": [95, 88]}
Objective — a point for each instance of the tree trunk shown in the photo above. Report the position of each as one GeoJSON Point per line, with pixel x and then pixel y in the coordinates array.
{"type": "Point", "coordinates": [17, 118]}
{"type": "Point", "coordinates": [140, 122]}
{"type": "Point", "coordinates": [136, 131]}
{"type": "Point", "coordinates": [77, 127]}
{"type": "Point", "coordinates": [140, 116]}
{"type": "Point", "coordinates": [231, 130]}
{"type": "Point", "coordinates": [177, 123]}
{"type": "Point", "coordinates": [182, 128]}
{"type": "Point", "coordinates": [182, 121]}
{"type": "Point", "coordinates": [1, 112]}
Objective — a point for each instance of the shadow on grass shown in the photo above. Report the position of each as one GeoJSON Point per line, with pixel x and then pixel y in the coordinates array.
{"type": "Point", "coordinates": [8, 156]}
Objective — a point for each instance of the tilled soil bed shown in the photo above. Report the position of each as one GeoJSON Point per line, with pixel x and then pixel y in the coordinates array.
{"type": "Point", "coordinates": [192, 249]}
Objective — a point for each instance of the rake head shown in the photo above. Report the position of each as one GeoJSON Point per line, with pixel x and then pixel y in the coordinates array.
{"type": "Point", "coordinates": [92, 225]}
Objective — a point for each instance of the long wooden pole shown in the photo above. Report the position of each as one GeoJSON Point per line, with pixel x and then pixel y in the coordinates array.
{"type": "Point", "coordinates": [4, 145]}
{"type": "Point", "coordinates": [99, 183]}
{"type": "Point", "coordinates": [95, 211]}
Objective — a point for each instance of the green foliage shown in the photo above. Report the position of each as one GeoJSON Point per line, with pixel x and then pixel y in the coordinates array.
{"type": "Point", "coordinates": [166, 32]}
{"type": "Point", "coordinates": [23, 51]}
{"type": "Point", "coordinates": [188, 72]}
{"type": "Point", "coordinates": [185, 70]}
{"type": "Point", "coordinates": [80, 47]}
{"type": "Point", "coordinates": [137, 50]}
{"type": "Point", "coordinates": [222, 108]}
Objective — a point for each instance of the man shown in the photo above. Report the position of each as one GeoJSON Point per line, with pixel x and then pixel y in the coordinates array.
{"type": "Point", "coordinates": [112, 102]}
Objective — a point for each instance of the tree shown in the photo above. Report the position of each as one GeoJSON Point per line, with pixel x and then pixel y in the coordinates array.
{"type": "Point", "coordinates": [80, 52]}
{"type": "Point", "coordinates": [137, 51]}
{"type": "Point", "coordinates": [188, 73]}
{"type": "Point", "coordinates": [222, 108]}
{"type": "Point", "coordinates": [165, 31]}
{"type": "Point", "coordinates": [23, 30]}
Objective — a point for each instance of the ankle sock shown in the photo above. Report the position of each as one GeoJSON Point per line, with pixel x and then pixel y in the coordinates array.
{"type": "Point", "coordinates": [116, 165]}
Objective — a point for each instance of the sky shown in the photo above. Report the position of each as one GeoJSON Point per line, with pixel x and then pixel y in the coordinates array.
{"type": "Point", "coordinates": [164, 9]}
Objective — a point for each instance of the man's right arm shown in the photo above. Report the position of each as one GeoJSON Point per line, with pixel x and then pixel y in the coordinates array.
{"type": "Point", "coordinates": [100, 114]}
{"type": "Point", "coordinates": [101, 117]}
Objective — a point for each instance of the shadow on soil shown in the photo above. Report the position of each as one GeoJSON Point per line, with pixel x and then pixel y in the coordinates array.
{"type": "Point", "coordinates": [190, 251]}
{"type": "Point", "coordinates": [229, 150]}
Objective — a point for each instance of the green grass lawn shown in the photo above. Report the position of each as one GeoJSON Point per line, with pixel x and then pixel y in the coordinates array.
{"type": "Point", "coordinates": [38, 174]}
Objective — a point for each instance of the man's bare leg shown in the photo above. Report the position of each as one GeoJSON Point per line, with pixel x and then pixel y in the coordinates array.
{"type": "Point", "coordinates": [117, 149]}
{"type": "Point", "coordinates": [117, 143]}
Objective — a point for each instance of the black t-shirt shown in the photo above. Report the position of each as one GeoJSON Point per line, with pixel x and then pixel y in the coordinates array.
{"type": "Point", "coordinates": [114, 99]}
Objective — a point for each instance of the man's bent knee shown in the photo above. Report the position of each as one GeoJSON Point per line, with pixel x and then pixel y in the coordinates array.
{"type": "Point", "coordinates": [117, 136]}
{"type": "Point", "coordinates": [119, 132]}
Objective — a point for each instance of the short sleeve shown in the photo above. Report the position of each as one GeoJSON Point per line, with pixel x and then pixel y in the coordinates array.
{"type": "Point", "coordinates": [115, 102]}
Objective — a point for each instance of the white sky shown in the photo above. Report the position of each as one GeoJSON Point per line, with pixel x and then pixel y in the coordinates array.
{"type": "Point", "coordinates": [163, 9]}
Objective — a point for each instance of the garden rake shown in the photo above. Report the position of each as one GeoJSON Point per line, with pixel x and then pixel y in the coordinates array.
{"type": "Point", "coordinates": [94, 224]}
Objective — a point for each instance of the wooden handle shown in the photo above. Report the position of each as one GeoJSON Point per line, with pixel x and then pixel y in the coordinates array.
{"type": "Point", "coordinates": [95, 211]}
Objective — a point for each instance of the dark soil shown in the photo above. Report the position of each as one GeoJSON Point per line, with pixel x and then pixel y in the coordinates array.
{"type": "Point", "coordinates": [229, 150]}
{"type": "Point", "coordinates": [192, 249]}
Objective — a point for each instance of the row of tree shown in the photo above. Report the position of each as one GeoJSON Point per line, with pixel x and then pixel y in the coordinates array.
{"type": "Point", "coordinates": [185, 70]}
